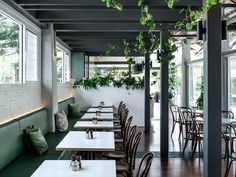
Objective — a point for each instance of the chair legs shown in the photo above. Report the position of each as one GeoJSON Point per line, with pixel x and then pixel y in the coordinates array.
{"type": "Point", "coordinates": [228, 167]}
{"type": "Point", "coordinates": [173, 128]}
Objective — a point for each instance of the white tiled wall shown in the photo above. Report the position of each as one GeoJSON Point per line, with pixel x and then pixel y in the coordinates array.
{"type": "Point", "coordinates": [65, 91]}
{"type": "Point", "coordinates": [18, 99]}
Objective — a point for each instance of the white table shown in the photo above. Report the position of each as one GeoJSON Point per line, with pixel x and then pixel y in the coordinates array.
{"type": "Point", "coordinates": [224, 121]}
{"type": "Point", "coordinates": [90, 125]}
{"type": "Point", "coordinates": [90, 168]}
{"type": "Point", "coordinates": [77, 141]}
{"type": "Point", "coordinates": [103, 110]}
{"type": "Point", "coordinates": [103, 106]}
{"type": "Point", "coordinates": [90, 116]}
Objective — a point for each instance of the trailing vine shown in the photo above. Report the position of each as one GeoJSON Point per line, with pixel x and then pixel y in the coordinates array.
{"type": "Point", "coordinates": [147, 19]}
{"type": "Point", "coordinates": [125, 80]}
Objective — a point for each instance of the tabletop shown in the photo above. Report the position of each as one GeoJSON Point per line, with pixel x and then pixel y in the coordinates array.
{"type": "Point", "coordinates": [224, 121]}
{"type": "Point", "coordinates": [103, 106]}
{"type": "Point", "coordinates": [90, 116]}
{"type": "Point", "coordinates": [77, 141]}
{"type": "Point", "coordinates": [91, 125]}
{"type": "Point", "coordinates": [103, 110]}
{"type": "Point", "coordinates": [90, 168]}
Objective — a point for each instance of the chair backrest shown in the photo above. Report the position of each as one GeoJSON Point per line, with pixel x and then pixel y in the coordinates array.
{"type": "Point", "coordinates": [119, 107]}
{"type": "Point", "coordinates": [126, 129]}
{"type": "Point", "coordinates": [145, 165]}
{"type": "Point", "coordinates": [184, 109]}
{"type": "Point", "coordinates": [174, 109]}
{"type": "Point", "coordinates": [228, 131]}
{"type": "Point", "coordinates": [129, 140]}
{"type": "Point", "coordinates": [123, 117]}
{"type": "Point", "coordinates": [227, 114]}
{"type": "Point", "coordinates": [133, 150]}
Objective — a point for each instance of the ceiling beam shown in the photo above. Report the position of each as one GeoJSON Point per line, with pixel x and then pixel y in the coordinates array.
{"type": "Point", "coordinates": [108, 15]}
{"type": "Point", "coordinates": [105, 27]}
{"type": "Point", "coordinates": [158, 3]}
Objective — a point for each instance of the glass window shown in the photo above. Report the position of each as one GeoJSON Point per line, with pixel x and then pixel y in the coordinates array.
{"type": "Point", "coordinates": [196, 51]}
{"type": "Point", "coordinates": [232, 83]}
{"type": "Point", "coordinates": [177, 94]}
{"type": "Point", "coordinates": [63, 65]}
{"type": "Point", "coordinates": [195, 82]}
{"type": "Point", "coordinates": [31, 56]}
{"type": "Point", "coordinates": [59, 65]}
{"type": "Point", "coordinates": [10, 50]}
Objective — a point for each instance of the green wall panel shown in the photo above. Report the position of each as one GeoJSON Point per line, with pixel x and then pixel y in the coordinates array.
{"type": "Point", "coordinates": [77, 65]}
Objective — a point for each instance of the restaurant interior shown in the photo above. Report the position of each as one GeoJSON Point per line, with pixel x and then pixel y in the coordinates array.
{"type": "Point", "coordinates": [117, 88]}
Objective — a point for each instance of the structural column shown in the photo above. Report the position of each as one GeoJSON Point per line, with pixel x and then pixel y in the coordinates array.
{"type": "Point", "coordinates": [164, 106]}
{"type": "Point", "coordinates": [147, 93]}
{"type": "Point", "coordinates": [212, 93]}
{"type": "Point", "coordinates": [49, 74]}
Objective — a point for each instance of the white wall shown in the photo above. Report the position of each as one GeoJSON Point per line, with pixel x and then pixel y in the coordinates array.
{"type": "Point", "coordinates": [134, 100]}
{"type": "Point", "coordinates": [65, 91]}
{"type": "Point", "coordinates": [18, 99]}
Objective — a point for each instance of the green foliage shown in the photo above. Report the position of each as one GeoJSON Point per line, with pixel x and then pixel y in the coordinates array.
{"type": "Point", "coordinates": [192, 16]}
{"type": "Point", "coordinates": [111, 49]}
{"type": "Point", "coordinates": [109, 79]}
{"type": "Point", "coordinates": [199, 101]}
{"type": "Point", "coordinates": [167, 52]}
{"type": "Point", "coordinates": [113, 4]}
{"type": "Point", "coordinates": [172, 79]}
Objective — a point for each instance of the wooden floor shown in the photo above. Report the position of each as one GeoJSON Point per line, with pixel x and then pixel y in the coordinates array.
{"type": "Point", "coordinates": [176, 165]}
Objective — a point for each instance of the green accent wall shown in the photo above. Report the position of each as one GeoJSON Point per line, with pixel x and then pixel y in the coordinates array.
{"type": "Point", "coordinates": [77, 65]}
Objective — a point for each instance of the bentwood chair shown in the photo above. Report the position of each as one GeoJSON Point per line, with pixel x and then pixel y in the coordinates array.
{"type": "Point", "coordinates": [123, 153]}
{"type": "Point", "coordinates": [227, 114]}
{"type": "Point", "coordinates": [145, 165]}
{"type": "Point", "coordinates": [126, 168]}
{"type": "Point", "coordinates": [174, 109]}
{"type": "Point", "coordinates": [229, 136]}
{"type": "Point", "coordinates": [194, 131]}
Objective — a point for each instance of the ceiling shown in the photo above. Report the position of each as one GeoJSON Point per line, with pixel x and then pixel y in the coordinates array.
{"type": "Point", "coordinates": [87, 25]}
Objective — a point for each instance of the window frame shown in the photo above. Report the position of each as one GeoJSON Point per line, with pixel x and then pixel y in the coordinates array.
{"type": "Point", "coordinates": [26, 24]}
{"type": "Point", "coordinates": [65, 51]}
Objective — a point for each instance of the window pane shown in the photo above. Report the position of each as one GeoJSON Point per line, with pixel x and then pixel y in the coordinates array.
{"type": "Point", "coordinates": [10, 51]}
{"type": "Point", "coordinates": [31, 56]}
{"type": "Point", "coordinates": [195, 81]}
{"type": "Point", "coordinates": [196, 50]}
{"type": "Point", "coordinates": [232, 83]}
{"type": "Point", "coordinates": [59, 65]}
{"type": "Point", "coordinates": [66, 67]}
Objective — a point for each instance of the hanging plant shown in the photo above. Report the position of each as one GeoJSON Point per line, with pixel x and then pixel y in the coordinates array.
{"type": "Point", "coordinates": [167, 52]}
{"type": "Point", "coordinates": [113, 4]}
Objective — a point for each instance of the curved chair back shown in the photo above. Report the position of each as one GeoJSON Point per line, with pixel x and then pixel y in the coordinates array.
{"type": "Point", "coordinates": [174, 109]}
{"type": "Point", "coordinates": [227, 114]}
{"type": "Point", "coordinates": [145, 165]}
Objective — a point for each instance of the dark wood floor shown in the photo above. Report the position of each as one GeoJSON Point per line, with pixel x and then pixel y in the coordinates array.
{"type": "Point", "coordinates": [176, 165]}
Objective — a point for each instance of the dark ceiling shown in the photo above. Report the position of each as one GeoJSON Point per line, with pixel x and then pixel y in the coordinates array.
{"type": "Point", "coordinates": [87, 25]}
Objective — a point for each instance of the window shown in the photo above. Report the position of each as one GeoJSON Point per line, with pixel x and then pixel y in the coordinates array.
{"type": "Point", "coordinates": [10, 51]}
{"type": "Point", "coordinates": [196, 50]}
{"type": "Point", "coordinates": [195, 81]}
{"type": "Point", "coordinates": [63, 65]}
{"type": "Point", "coordinates": [232, 83]}
{"type": "Point", "coordinates": [31, 56]}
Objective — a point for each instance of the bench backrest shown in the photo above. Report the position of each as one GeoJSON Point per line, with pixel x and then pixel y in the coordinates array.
{"type": "Point", "coordinates": [11, 134]}
{"type": "Point", "coordinates": [63, 105]}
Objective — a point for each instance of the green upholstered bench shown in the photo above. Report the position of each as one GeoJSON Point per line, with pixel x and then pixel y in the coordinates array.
{"type": "Point", "coordinates": [14, 161]}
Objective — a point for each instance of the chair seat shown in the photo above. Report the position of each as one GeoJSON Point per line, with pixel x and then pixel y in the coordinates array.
{"type": "Point", "coordinates": [116, 155]}
{"type": "Point", "coordinates": [122, 167]}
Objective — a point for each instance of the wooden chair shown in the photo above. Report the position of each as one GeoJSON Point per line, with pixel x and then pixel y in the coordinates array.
{"type": "Point", "coordinates": [126, 168]}
{"type": "Point", "coordinates": [227, 114]}
{"type": "Point", "coordinates": [145, 165]}
{"type": "Point", "coordinates": [194, 131]}
{"type": "Point", "coordinates": [229, 135]}
{"type": "Point", "coordinates": [174, 109]}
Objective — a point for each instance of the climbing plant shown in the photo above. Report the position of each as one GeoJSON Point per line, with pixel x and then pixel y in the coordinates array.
{"type": "Point", "coordinates": [147, 19]}
{"type": "Point", "coordinates": [111, 79]}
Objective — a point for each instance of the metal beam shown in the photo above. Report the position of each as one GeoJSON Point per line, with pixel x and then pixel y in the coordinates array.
{"type": "Point", "coordinates": [95, 15]}
{"type": "Point", "coordinates": [159, 3]}
{"type": "Point", "coordinates": [19, 9]}
{"type": "Point", "coordinates": [212, 94]}
{"type": "Point", "coordinates": [147, 93]}
{"type": "Point", "coordinates": [164, 106]}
